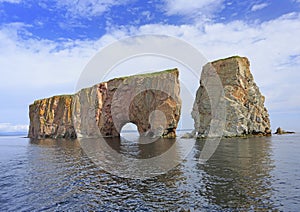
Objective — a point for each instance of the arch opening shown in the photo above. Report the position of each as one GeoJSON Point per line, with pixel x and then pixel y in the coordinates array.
{"type": "Point", "coordinates": [130, 132]}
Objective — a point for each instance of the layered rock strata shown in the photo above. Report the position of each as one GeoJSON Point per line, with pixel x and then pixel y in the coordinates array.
{"type": "Point", "coordinates": [244, 108]}
{"type": "Point", "coordinates": [150, 101]}
{"type": "Point", "coordinates": [52, 117]}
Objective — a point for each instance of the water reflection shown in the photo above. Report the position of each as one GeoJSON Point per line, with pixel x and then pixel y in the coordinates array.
{"type": "Point", "coordinates": [238, 174]}
{"type": "Point", "coordinates": [55, 173]}
{"type": "Point", "coordinates": [141, 148]}
{"type": "Point", "coordinates": [140, 159]}
{"type": "Point", "coordinates": [58, 175]}
{"type": "Point", "coordinates": [61, 176]}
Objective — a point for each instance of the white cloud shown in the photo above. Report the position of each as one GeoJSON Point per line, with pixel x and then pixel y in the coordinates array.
{"type": "Point", "coordinates": [259, 6]}
{"type": "Point", "coordinates": [191, 7]}
{"type": "Point", "coordinates": [8, 127]}
{"type": "Point", "coordinates": [42, 63]}
{"type": "Point", "coordinates": [147, 15]}
{"type": "Point", "coordinates": [87, 8]}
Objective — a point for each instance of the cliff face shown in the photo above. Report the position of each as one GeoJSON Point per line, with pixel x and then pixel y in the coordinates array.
{"type": "Point", "coordinates": [245, 111]}
{"type": "Point", "coordinates": [150, 101]}
{"type": "Point", "coordinates": [52, 118]}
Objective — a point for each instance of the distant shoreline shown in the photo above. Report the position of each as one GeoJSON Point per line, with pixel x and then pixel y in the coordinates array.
{"type": "Point", "coordinates": [13, 133]}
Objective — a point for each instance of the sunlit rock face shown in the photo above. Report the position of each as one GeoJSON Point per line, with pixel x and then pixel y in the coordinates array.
{"type": "Point", "coordinates": [150, 101]}
{"type": "Point", "coordinates": [52, 118]}
{"type": "Point", "coordinates": [244, 104]}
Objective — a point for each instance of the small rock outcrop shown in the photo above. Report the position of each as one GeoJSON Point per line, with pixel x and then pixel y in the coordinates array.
{"type": "Point", "coordinates": [280, 131]}
{"type": "Point", "coordinates": [150, 101]}
{"type": "Point", "coordinates": [244, 104]}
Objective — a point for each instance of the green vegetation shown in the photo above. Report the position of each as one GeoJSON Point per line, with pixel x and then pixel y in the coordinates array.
{"type": "Point", "coordinates": [232, 57]}
{"type": "Point", "coordinates": [151, 74]}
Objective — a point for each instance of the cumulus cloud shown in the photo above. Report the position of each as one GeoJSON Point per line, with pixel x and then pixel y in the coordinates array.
{"type": "Point", "coordinates": [259, 6]}
{"type": "Point", "coordinates": [8, 127]}
{"type": "Point", "coordinates": [191, 7]}
{"type": "Point", "coordinates": [41, 62]}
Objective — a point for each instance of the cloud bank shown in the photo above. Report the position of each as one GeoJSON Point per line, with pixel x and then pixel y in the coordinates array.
{"type": "Point", "coordinates": [8, 127]}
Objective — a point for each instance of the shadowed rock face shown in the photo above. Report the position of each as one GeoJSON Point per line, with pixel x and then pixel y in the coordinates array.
{"type": "Point", "coordinates": [150, 101]}
{"type": "Point", "coordinates": [244, 104]}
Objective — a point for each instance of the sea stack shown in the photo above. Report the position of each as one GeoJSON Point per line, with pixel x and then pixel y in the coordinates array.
{"type": "Point", "coordinates": [244, 104]}
{"type": "Point", "coordinates": [150, 101]}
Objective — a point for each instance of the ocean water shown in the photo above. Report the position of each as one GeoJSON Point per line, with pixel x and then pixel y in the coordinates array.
{"type": "Point", "coordinates": [243, 174]}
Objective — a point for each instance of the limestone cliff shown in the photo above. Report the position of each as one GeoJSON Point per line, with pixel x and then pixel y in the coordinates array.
{"type": "Point", "coordinates": [52, 118]}
{"type": "Point", "coordinates": [245, 111]}
{"type": "Point", "coordinates": [150, 101]}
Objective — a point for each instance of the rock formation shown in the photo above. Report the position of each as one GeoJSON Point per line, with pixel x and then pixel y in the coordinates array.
{"type": "Point", "coordinates": [243, 102]}
{"type": "Point", "coordinates": [150, 101]}
{"type": "Point", "coordinates": [52, 117]}
{"type": "Point", "coordinates": [280, 131]}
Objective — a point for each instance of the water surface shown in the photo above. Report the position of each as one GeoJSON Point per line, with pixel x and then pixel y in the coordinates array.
{"type": "Point", "coordinates": [243, 174]}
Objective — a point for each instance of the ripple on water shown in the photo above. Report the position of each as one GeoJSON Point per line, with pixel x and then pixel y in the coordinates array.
{"type": "Point", "coordinates": [247, 174]}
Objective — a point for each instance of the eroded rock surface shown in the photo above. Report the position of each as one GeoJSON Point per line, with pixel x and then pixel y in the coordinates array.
{"type": "Point", "coordinates": [52, 118]}
{"type": "Point", "coordinates": [150, 101]}
{"type": "Point", "coordinates": [244, 104]}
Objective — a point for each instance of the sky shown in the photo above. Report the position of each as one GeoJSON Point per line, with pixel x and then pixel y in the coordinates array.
{"type": "Point", "coordinates": [45, 45]}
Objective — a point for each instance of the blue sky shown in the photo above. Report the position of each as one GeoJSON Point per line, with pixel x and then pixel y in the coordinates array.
{"type": "Point", "coordinates": [45, 44]}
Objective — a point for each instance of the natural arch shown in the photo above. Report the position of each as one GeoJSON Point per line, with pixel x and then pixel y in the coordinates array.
{"type": "Point", "coordinates": [129, 131]}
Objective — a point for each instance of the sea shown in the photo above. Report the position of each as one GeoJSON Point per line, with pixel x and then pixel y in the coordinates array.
{"type": "Point", "coordinates": [242, 174]}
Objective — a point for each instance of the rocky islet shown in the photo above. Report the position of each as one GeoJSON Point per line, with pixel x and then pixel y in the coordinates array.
{"type": "Point", "coordinates": [152, 102]}
{"type": "Point", "coordinates": [245, 113]}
